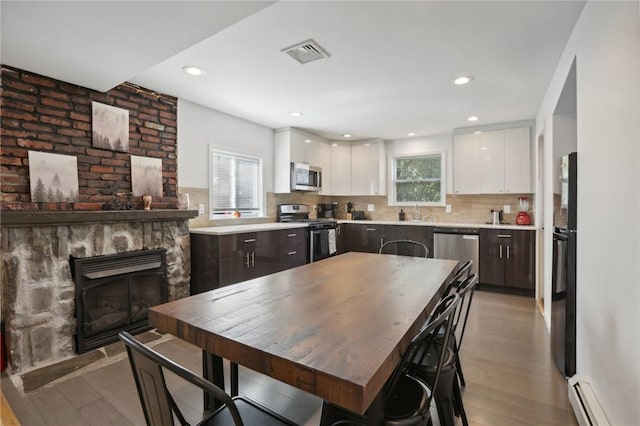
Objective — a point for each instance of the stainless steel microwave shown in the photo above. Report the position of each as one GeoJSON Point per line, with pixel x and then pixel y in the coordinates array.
{"type": "Point", "coordinates": [305, 177]}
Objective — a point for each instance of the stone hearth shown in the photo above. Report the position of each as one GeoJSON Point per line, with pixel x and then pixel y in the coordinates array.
{"type": "Point", "coordinates": [37, 289]}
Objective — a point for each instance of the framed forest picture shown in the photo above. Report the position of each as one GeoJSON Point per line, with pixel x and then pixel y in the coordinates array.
{"type": "Point", "coordinates": [109, 127]}
{"type": "Point", "coordinates": [53, 177]}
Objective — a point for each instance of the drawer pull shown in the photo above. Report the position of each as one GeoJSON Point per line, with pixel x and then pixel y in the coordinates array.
{"type": "Point", "coordinates": [503, 236]}
{"type": "Point", "coordinates": [291, 235]}
{"type": "Point", "coordinates": [250, 240]}
{"type": "Point", "coordinates": [371, 229]}
{"type": "Point", "coordinates": [291, 253]}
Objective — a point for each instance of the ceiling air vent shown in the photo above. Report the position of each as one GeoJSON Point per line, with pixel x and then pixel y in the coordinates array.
{"type": "Point", "coordinates": [306, 51]}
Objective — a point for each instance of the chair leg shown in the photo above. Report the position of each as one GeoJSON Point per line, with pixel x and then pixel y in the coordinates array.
{"type": "Point", "coordinates": [457, 397]}
{"type": "Point", "coordinates": [445, 397]}
{"type": "Point", "coordinates": [459, 370]}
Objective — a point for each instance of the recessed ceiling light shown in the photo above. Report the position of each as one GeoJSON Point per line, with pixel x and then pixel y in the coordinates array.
{"type": "Point", "coordinates": [367, 144]}
{"type": "Point", "coordinates": [334, 144]}
{"type": "Point", "coordinates": [296, 114]}
{"type": "Point", "coordinates": [472, 118]}
{"type": "Point", "coordinates": [411, 134]}
{"type": "Point", "coordinates": [462, 80]}
{"type": "Point", "coordinates": [477, 132]}
{"type": "Point", "coordinates": [191, 70]}
{"type": "Point", "coordinates": [347, 135]}
{"type": "Point", "coordinates": [307, 141]}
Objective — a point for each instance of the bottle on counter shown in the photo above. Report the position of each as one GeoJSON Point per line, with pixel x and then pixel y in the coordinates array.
{"type": "Point", "coordinates": [401, 215]}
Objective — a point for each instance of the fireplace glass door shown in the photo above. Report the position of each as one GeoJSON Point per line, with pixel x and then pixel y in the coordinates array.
{"type": "Point", "coordinates": [115, 292]}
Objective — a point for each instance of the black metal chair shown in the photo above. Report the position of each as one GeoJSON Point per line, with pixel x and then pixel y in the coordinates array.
{"type": "Point", "coordinates": [404, 248]}
{"type": "Point", "coordinates": [159, 407]}
{"type": "Point", "coordinates": [448, 393]}
{"type": "Point", "coordinates": [407, 398]}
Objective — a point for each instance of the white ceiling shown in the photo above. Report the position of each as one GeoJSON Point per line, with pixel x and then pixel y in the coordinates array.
{"type": "Point", "coordinates": [390, 71]}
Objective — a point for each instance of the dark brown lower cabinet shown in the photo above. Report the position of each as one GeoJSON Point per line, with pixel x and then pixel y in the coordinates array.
{"type": "Point", "coordinates": [219, 260]}
{"type": "Point", "coordinates": [507, 258]}
{"type": "Point", "coordinates": [368, 238]}
{"type": "Point", "coordinates": [364, 238]}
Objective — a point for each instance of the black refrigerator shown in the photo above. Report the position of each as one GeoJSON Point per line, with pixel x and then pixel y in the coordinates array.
{"type": "Point", "coordinates": [563, 300]}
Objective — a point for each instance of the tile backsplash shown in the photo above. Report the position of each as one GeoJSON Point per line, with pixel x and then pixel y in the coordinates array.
{"type": "Point", "coordinates": [464, 208]}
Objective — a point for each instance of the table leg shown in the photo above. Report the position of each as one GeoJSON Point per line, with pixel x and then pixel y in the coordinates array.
{"type": "Point", "coordinates": [234, 379]}
{"type": "Point", "coordinates": [212, 370]}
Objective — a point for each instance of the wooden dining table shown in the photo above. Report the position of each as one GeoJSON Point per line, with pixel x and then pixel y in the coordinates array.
{"type": "Point", "coordinates": [335, 328]}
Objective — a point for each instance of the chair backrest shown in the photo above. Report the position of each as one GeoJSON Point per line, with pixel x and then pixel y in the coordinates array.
{"type": "Point", "coordinates": [458, 276]}
{"type": "Point", "coordinates": [441, 317]}
{"type": "Point", "coordinates": [404, 248]}
{"type": "Point", "coordinates": [465, 290]}
{"type": "Point", "coordinates": [157, 404]}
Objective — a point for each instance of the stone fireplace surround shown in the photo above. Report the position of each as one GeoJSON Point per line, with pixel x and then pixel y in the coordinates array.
{"type": "Point", "coordinates": [38, 292]}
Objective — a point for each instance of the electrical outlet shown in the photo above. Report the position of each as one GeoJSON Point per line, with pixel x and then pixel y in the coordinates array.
{"type": "Point", "coordinates": [370, 207]}
{"type": "Point", "coordinates": [201, 208]}
{"type": "Point", "coordinates": [506, 208]}
{"type": "Point", "coordinates": [447, 208]}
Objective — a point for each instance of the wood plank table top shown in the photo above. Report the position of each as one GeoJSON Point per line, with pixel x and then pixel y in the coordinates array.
{"type": "Point", "coordinates": [334, 328]}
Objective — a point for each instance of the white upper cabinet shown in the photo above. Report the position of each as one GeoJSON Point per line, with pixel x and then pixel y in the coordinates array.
{"type": "Point", "coordinates": [517, 160]}
{"type": "Point", "coordinates": [324, 161]}
{"type": "Point", "coordinates": [368, 167]}
{"type": "Point", "coordinates": [340, 176]}
{"type": "Point", "coordinates": [293, 146]}
{"type": "Point", "coordinates": [492, 162]}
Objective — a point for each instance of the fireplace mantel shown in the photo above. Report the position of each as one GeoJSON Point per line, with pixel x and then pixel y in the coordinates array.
{"type": "Point", "coordinates": [13, 218]}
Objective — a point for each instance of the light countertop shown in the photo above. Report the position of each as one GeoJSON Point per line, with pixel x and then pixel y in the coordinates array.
{"type": "Point", "coordinates": [274, 226]}
{"type": "Point", "coordinates": [240, 229]}
{"type": "Point", "coordinates": [440, 224]}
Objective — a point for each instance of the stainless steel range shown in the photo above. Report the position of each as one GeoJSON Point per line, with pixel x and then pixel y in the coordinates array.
{"type": "Point", "coordinates": [322, 232]}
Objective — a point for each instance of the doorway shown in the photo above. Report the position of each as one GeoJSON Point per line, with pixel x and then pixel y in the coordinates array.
{"type": "Point", "coordinates": [540, 217]}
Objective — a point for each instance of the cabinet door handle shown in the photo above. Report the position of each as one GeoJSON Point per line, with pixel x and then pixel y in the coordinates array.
{"type": "Point", "coordinates": [370, 229]}
{"type": "Point", "coordinates": [291, 253]}
{"type": "Point", "coordinates": [253, 258]}
{"type": "Point", "coordinates": [247, 260]}
{"type": "Point", "coordinates": [500, 251]}
{"type": "Point", "coordinates": [508, 254]}
{"type": "Point", "coordinates": [291, 235]}
{"type": "Point", "coordinates": [503, 235]}
{"type": "Point", "coordinates": [250, 240]}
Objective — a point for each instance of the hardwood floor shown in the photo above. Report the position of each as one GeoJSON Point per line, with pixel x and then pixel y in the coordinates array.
{"type": "Point", "coordinates": [511, 379]}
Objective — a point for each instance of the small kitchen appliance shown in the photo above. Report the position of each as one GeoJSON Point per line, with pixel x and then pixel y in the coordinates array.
{"type": "Point", "coordinates": [327, 211]}
{"type": "Point", "coordinates": [523, 217]}
{"type": "Point", "coordinates": [305, 177]}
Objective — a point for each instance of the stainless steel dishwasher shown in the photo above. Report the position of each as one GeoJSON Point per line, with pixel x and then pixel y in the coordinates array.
{"type": "Point", "coordinates": [457, 244]}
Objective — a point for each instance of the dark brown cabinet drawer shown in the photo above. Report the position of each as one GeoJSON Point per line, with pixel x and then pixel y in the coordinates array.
{"type": "Point", "coordinates": [507, 258]}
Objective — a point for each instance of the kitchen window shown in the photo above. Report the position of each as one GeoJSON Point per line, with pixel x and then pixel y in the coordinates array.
{"type": "Point", "coordinates": [235, 186]}
{"type": "Point", "coordinates": [418, 179]}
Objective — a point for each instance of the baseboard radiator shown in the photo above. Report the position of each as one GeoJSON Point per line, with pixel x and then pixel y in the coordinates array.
{"type": "Point", "coordinates": [585, 404]}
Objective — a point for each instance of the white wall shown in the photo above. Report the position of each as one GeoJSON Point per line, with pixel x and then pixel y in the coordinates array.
{"type": "Point", "coordinates": [199, 126]}
{"type": "Point", "coordinates": [606, 45]}
{"type": "Point", "coordinates": [426, 144]}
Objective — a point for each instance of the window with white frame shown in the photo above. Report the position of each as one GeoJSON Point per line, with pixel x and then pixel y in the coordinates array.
{"type": "Point", "coordinates": [235, 185]}
{"type": "Point", "coordinates": [418, 179]}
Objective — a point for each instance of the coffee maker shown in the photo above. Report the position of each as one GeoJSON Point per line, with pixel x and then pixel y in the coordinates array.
{"type": "Point", "coordinates": [327, 211]}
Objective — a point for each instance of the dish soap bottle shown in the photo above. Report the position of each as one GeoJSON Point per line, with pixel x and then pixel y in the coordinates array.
{"type": "Point", "coordinates": [401, 215]}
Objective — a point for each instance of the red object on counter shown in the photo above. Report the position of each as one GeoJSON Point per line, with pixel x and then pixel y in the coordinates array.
{"type": "Point", "coordinates": [523, 218]}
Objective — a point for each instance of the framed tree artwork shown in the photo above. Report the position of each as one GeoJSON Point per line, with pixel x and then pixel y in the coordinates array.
{"type": "Point", "coordinates": [53, 177]}
{"type": "Point", "coordinates": [110, 127]}
{"type": "Point", "coordinates": [146, 176]}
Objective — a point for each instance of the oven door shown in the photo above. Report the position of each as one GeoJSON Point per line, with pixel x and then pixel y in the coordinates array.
{"type": "Point", "coordinates": [322, 244]}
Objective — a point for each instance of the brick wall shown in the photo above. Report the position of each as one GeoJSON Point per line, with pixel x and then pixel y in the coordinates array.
{"type": "Point", "coordinates": [42, 114]}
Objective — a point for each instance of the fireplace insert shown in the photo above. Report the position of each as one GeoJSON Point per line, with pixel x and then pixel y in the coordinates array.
{"type": "Point", "coordinates": [114, 293]}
